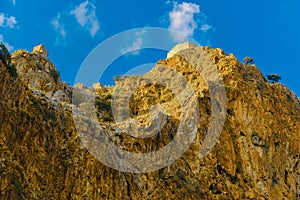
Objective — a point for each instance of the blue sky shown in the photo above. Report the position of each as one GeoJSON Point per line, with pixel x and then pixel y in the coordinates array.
{"type": "Point", "coordinates": [268, 31]}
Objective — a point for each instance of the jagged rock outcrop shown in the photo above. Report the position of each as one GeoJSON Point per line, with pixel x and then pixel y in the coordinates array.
{"type": "Point", "coordinates": [40, 49]}
{"type": "Point", "coordinates": [42, 157]}
{"type": "Point", "coordinates": [39, 74]}
{"type": "Point", "coordinates": [180, 47]}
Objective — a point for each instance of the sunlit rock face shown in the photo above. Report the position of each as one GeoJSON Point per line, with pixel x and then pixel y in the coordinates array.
{"type": "Point", "coordinates": [180, 47]}
{"type": "Point", "coordinates": [42, 154]}
{"type": "Point", "coordinates": [40, 49]}
{"type": "Point", "coordinates": [38, 73]}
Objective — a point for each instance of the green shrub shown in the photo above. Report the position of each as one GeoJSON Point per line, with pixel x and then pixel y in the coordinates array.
{"type": "Point", "coordinates": [6, 59]}
{"type": "Point", "coordinates": [116, 78]}
{"type": "Point", "coordinates": [18, 185]}
{"type": "Point", "coordinates": [103, 104]}
{"type": "Point", "coordinates": [4, 55]}
{"type": "Point", "coordinates": [273, 78]}
{"type": "Point", "coordinates": [12, 70]}
{"type": "Point", "coordinates": [107, 96]}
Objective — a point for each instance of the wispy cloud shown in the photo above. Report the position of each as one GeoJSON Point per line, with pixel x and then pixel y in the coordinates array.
{"type": "Point", "coordinates": [205, 27]}
{"type": "Point", "coordinates": [85, 14]}
{"type": "Point", "coordinates": [182, 19]}
{"type": "Point", "coordinates": [58, 26]}
{"type": "Point", "coordinates": [8, 46]}
{"type": "Point", "coordinates": [136, 45]}
{"type": "Point", "coordinates": [6, 21]}
{"type": "Point", "coordinates": [13, 2]}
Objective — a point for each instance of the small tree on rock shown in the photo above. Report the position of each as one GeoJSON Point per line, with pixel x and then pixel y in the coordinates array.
{"type": "Point", "coordinates": [6, 59]}
{"type": "Point", "coordinates": [248, 60]}
{"type": "Point", "coordinates": [116, 78]}
{"type": "Point", "coordinates": [273, 78]}
{"type": "Point", "coordinates": [4, 55]}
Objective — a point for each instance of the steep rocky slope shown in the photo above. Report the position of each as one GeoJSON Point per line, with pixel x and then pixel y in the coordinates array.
{"type": "Point", "coordinates": [42, 157]}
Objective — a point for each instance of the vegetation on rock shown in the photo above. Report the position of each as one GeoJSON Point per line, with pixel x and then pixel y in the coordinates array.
{"type": "Point", "coordinates": [6, 59]}
{"type": "Point", "coordinates": [274, 78]}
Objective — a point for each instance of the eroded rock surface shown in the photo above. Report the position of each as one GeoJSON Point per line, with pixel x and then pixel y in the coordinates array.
{"type": "Point", "coordinates": [42, 157]}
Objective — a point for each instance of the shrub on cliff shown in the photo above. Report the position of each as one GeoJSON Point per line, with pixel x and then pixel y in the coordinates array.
{"type": "Point", "coordinates": [116, 78]}
{"type": "Point", "coordinates": [6, 59]}
{"type": "Point", "coordinates": [273, 78]}
{"type": "Point", "coordinates": [4, 55]}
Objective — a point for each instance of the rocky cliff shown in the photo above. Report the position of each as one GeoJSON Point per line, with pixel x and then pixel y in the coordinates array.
{"type": "Point", "coordinates": [42, 156]}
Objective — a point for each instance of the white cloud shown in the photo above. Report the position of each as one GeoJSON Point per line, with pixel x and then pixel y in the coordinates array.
{"type": "Point", "coordinates": [80, 13]}
{"type": "Point", "coordinates": [206, 27]}
{"type": "Point", "coordinates": [58, 26]}
{"type": "Point", "coordinates": [13, 2]}
{"type": "Point", "coordinates": [168, 2]}
{"type": "Point", "coordinates": [1, 19]}
{"type": "Point", "coordinates": [136, 45]}
{"type": "Point", "coordinates": [11, 22]}
{"type": "Point", "coordinates": [182, 19]}
{"type": "Point", "coordinates": [7, 21]}
{"type": "Point", "coordinates": [60, 29]}
{"type": "Point", "coordinates": [85, 15]}
{"type": "Point", "coordinates": [8, 46]}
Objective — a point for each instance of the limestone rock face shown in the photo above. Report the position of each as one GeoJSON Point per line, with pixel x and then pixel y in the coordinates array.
{"type": "Point", "coordinates": [40, 49]}
{"type": "Point", "coordinates": [42, 157]}
{"type": "Point", "coordinates": [39, 74]}
{"type": "Point", "coordinates": [180, 47]}
{"type": "Point", "coordinates": [97, 86]}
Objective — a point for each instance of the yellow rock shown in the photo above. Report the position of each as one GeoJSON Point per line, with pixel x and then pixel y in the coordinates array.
{"type": "Point", "coordinates": [42, 155]}
{"type": "Point", "coordinates": [180, 47]}
{"type": "Point", "coordinates": [40, 49]}
{"type": "Point", "coordinates": [97, 86]}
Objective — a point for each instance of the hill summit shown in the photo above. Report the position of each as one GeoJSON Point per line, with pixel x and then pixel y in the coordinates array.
{"type": "Point", "coordinates": [43, 156]}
